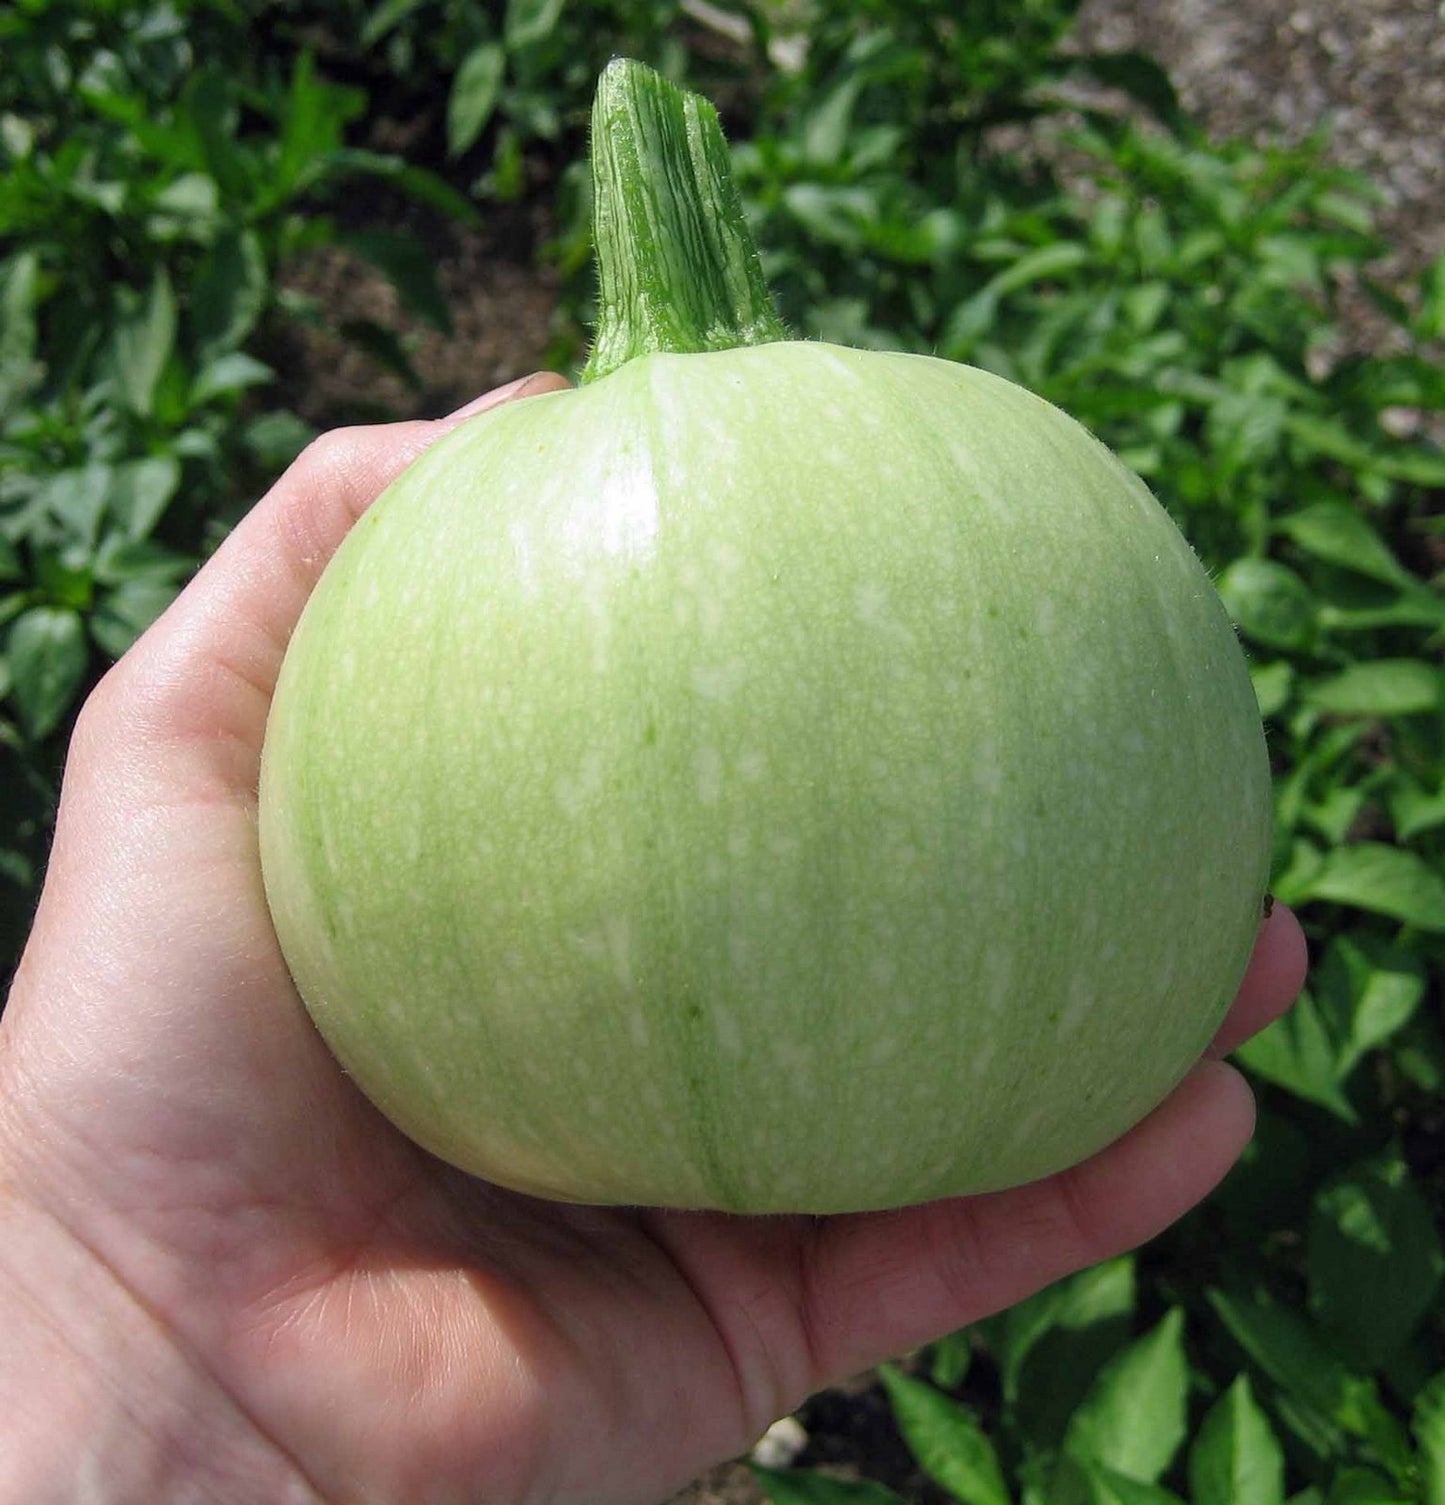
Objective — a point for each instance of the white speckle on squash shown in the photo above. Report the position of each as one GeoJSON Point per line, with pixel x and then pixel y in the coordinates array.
{"type": "Point", "coordinates": [719, 682]}
{"type": "Point", "coordinates": [708, 767]}
{"type": "Point", "coordinates": [618, 929]}
{"type": "Point", "coordinates": [1081, 999]}
{"type": "Point", "coordinates": [729, 1035]}
{"type": "Point", "coordinates": [882, 1049]}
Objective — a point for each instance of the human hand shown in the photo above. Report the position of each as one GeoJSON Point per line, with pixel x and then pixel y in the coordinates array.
{"type": "Point", "coordinates": [226, 1276]}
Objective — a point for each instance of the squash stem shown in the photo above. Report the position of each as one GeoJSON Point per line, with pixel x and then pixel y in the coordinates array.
{"type": "Point", "coordinates": [677, 269]}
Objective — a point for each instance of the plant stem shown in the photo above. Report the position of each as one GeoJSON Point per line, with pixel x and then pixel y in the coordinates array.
{"type": "Point", "coordinates": [677, 268]}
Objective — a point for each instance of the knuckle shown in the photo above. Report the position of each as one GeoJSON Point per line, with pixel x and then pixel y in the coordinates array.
{"type": "Point", "coordinates": [101, 710]}
{"type": "Point", "coordinates": [329, 453]}
{"type": "Point", "coordinates": [322, 480]}
{"type": "Point", "coordinates": [333, 481]}
{"type": "Point", "coordinates": [957, 1254]}
{"type": "Point", "coordinates": [100, 724]}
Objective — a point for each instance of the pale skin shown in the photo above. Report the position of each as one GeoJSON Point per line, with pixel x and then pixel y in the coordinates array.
{"type": "Point", "coordinates": [224, 1277]}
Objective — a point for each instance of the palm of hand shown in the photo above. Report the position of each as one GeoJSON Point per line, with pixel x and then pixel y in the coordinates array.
{"type": "Point", "coordinates": [392, 1328]}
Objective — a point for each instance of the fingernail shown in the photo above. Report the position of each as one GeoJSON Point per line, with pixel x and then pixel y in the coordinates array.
{"type": "Point", "coordinates": [499, 395]}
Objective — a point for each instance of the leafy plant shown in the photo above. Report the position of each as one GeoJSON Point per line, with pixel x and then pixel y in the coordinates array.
{"type": "Point", "coordinates": [960, 180]}
{"type": "Point", "coordinates": [1154, 1420]}
{"type": "Point", "coordinates": [500, 89]}
{"type": "Point", "coordinates": [150, 195]}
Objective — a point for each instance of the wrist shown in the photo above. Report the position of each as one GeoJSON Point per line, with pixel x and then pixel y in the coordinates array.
{"type": "Point", "coordinates": [100, 1402]}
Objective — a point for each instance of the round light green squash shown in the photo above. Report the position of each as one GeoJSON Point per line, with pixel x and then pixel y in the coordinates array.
{"type": "Point", "coordinates": [771, 778]}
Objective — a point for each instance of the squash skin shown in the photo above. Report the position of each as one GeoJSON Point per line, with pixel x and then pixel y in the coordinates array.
{"type": "Point", "coordinates": [784, 779]}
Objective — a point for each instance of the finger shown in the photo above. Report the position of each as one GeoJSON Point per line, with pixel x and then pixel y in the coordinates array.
{"type": "Point", "coordinates": [1272, 982]}
{"type": "Point", "coordinates": [880, 1284]}
{"type": "Point", "coordinates": [203, 675]}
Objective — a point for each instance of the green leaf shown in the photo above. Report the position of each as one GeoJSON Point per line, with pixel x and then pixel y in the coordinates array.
{"type": "Point", "coordinates": [276, 438]}
{"type": "Point", "coordinates": [1327, 436]}
{"type": "Point", "coordinates": [1050, 1348]}
{"type": "Point", "coordinates": [1013, 1333]}
{"type": "Point", "coordinates": [1133, 1418]}
{"type": "Point", "coordinates": [1412, 606]}
{"type": "Point", "coordinates": [1273, 686]}
{"type": "Point", "coordinates": [313, 121]}
{"type": "Point", "coordinates": [1327, 1401]}
{"type": "Point", "coordinates": [824, 136]}
{"type": "Point", "coordinates": [1427, 1422]}
{"type": "Point", "coordinates": [144, 338]}
{"type": "Point", "coordinates": [384, 345]}
{"type": "Point", "coordinates": [1095, 1304]}
{"type": "Point", "coordinates": [1368, 990]}
{"type": "Point", "coordinates": [127, 611]}
{"type": "Point", "coordinates": [1243, 430]}
{"type": "Point", "coordinates": [1139, 76]}
{"type": "Point", "coordinates": [1235, 1458]}
{"type": "Point", "coordinates": [210, 99]}
{"type": "Point", "coordinates": [1104, 1292]}
{"type": "Point", "coordinates": [1340, 535]}
{"type": "Point", "coordinates": [1270, 603]}
{"type": "Point", "coordinates": [1430, 322]}
{"type": "Point", "coordinates": [1042, 265]}
{"type": "Point", "coordinates": [386, 17]}
{"type": "Point", "coordinates": [1080, 1481]}
{"type": "Point", "coordinates": [946, 1439]}
{"type": "Point", "coordinates": [1413, 808]}
{"type": "Point", "coordinates": [1297, 1053]}
{"type": "Point", "coordinates": [1363, 1486]}
{"type": "Point", "coordinates": [1373, 1258]}
{"type": "Point", "coordinates": [76, 499]}
{"type": "Point", "coordinates": [188, 204]}
{"type": "Point", "coordinates": [228, 295]}
{"type": "Point", "coordinates": [950, 1359]}
{"type": "Point", "coordinates": [119, 559]}
{"type": "Point", "coordinates": [1381, 879]}
{"type": "Point", "coordinates": [803, 1486]}
{"type": "Point", "coordinates": [1380, 687]}
{"type": "Point", "coordinates": [11, 606]}
{"type": "Point", "coordinates": [47, 655]}
{"type": "Point", "coordinates": [11, 567]}
{"type": "Point", "coordinates": [531, 21]}
{"type": "Point", "coordinates": [141, 491]}
{"type": "Point", "coordinates": [425, 187]}
{"type": "Point", "coordinates": [1419, 1053]}
{"type": "Point", "coordinates": [233, 372]}
{"type": "Point", "coordinates": [474, 95]}
{"type": "Point", "coordinates": [407, 265]}
{"type": "Point", "coordinates": [19, 297]}
{"type": "Point", "coordinates": [64, 579]}
{"type": "Point", "coordinates": [834, 215]}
